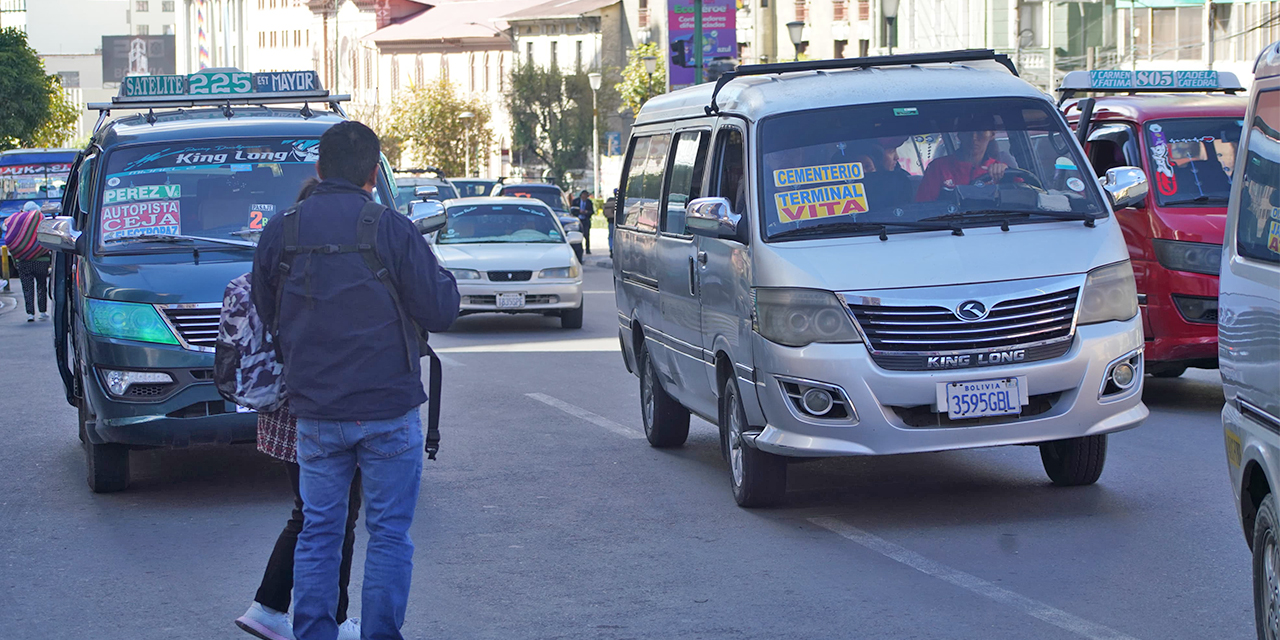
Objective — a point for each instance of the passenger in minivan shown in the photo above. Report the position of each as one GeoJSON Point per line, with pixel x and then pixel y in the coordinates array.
{"type": "Point", "coordinates": [975, 160]}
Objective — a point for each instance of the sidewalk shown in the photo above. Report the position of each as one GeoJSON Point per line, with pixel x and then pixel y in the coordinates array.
{"type": "Point", "coordinates": [599, 256]}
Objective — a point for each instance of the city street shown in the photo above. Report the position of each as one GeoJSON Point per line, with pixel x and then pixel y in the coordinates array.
{"type": "Point", "coordinates": [547, 515]}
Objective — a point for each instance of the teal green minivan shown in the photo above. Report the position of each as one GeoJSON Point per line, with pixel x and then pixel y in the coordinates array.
{"type": "Point", "coordinates": [162, 209]}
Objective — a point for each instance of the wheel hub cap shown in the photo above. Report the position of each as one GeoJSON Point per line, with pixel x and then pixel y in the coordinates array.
{"type": "Point", "coordinates": [735, 440]}
{"type": "Point", "coordinates": [1271, 588]}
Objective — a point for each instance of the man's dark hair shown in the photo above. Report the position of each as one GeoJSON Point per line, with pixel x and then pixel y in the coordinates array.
{"type": "Point", "coordinates": [349, 150]}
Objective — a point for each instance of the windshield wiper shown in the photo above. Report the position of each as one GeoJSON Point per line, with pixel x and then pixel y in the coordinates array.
{"type": "Point", "coordinates": [174, 238]}
{"type": "Point", "coordinates": [1004, 216]}
{"type": "Point", "coordinates": [1197, 199]}
{"type": "Point", "coordinates": [856, 227]}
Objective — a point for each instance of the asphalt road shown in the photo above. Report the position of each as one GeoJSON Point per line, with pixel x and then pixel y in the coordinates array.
{"type": "Point", "coordinates": [548, 516]}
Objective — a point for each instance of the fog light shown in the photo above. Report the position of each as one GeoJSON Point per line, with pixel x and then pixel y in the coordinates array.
{"type": "Point", "coordinates": [1123, 375]}
{"type": "Point", "coordinates": [118, 382]}
{"type": "Point", "coordinates": [817, 401]}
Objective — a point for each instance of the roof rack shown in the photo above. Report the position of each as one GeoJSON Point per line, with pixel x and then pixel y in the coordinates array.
{"type": "Point", "coordinates": [1146, 81]}
{"type": "Point", "coordinates": [961, 55]}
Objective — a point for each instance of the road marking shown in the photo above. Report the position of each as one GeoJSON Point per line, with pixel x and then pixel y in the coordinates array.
{"type": "Point", "coordinates": [579, 412]}
{"type": "Point", "coordinates": [1033, 608]}
{"type": "Point", "coordinates": [582, 344]}
{"type": "Point", "coordinates": [610, 291]}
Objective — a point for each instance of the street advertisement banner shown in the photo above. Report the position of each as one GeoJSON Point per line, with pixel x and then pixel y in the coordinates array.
{"type": "Point", "coordinates": [137, 56]}
{"type": "Point", "coordinates": [719, 38]}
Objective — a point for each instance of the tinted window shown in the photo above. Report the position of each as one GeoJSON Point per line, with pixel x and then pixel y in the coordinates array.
{"type": "Point", "coordinates": [470, 224]}
{"type": "Point", "coordinates": [686, 178]}
{"type": "Point", "coordinates": [1258, 230]}
{"type": "Point", "coordinates": [1111, 146]}
{"type": "Point", "coordinates": [634, 195]}
{"type": "Point", "coordinates": [1192, 160]}
{"type": "Point", "coordinates": [547, 194]}
{"type": "Point", "coordinates": [658, 147]}
{"type": "Point", "coordinates": [731, 183]}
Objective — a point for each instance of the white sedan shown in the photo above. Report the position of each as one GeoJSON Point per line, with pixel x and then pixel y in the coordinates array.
{"type": "Point", "coordinates": [510, 255]}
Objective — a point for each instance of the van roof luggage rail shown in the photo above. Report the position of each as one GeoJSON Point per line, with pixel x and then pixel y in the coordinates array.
{"type": "Point", "coordinates": [961, 55]}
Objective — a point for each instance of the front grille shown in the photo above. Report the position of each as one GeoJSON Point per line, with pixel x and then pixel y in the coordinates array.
{"type": "Point", "coordinates": [199, 327]}
{"type": "Point", "coordinates": [903, 337]}
{"type": "Point", "coordinates": [510, 276]}
{"type": "Point", "coordinates": [541, 299]}
{"type": "Point", "coordinates": [148, 390]}
{"type": "Point", "coordinates": [489, 300]}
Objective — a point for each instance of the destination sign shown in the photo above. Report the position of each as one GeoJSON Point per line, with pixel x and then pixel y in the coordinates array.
{"type": "Point", "coordinates": [1112, 79]}
{"type": "Point", "coordinates": [220, 82]}
{"type": "Point", "coordinates": [286, 81]}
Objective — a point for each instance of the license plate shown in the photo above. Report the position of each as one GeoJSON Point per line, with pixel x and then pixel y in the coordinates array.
{"type": "Point", "coordinates": [982, 398]}
{"type": "Point", "coordinates": [510, 300]}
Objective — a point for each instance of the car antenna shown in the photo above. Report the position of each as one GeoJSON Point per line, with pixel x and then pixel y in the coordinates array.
{"type": "Point", "coordinates": [151, 116]}
{"type": "Point", "coordinates": [226, 110]}
{"type": "Point", "coordinates": [306, 110]}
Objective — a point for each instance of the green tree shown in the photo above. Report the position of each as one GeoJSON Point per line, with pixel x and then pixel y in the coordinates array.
{"type": "Point", "coordinates": [25, 88]}
{"type": "Point", "coordinates": [551, 118]}
{"type": "Point", "coordinates": [58, 129]}
{"type": "Point", "coordinates": [427, 120]}
{"type": "Point", "coordinates": [637, 86]}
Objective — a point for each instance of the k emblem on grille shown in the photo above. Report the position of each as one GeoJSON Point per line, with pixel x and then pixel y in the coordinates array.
{"type": "Point", "coordinates": [971, 310]}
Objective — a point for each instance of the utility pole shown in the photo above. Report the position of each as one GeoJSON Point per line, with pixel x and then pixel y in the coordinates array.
{"type": "Point", "coordinates": [697, 41]}
{"type": "Point", "coordinates": [1208, 34]}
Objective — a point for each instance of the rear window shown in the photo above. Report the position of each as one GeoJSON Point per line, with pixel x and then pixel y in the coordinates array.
{"type": "Point", "coordinates": [548, 195]}
{"type": "Point", "coordinates": [1192, 159]}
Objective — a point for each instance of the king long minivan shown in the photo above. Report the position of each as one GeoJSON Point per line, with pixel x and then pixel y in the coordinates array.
{"type": "Point", "coordinates": [875, 256]}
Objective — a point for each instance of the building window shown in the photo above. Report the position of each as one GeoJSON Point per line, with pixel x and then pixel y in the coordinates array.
{"type": "Point", "coordinates": [1164, 34]}
{"type": "Point", "coordinates": [168, 29]}
{"type": "Point", "coordinates": [839, 11]}
{"type": "Point", "coordinates": [502, 75]}
{"type": "Point", "coordinates": [444, 67]}
{"type": "Point", "coordinates": [528, 52]}
{"type": "Point", "coordinates": [554, 61]}
{"type": "Point", "coordinates": [297, 37]}
{"type": "Point", "coordinates": [864, 10]}
{"type": "Point", "coordinates": [167, 6]}
{"type": "Point", "coordinates": [577, 57]}
{"type": "Point", "coordinates": [262, 39]}
{"type": "Point", "coordinates": [471, 72]}
{"type": "Point", "coordinates": [142, 6]}
{"type": "Point", "coordinates": [395, 73]}
{"type": "Point", "coordinates": [143, 29]}
{"type": "Point", "coordinates": [418, 71]}
{"type": "Point", "coordinates": [273, 39]}
{"type": "Point", "coordinates": [368, 68]}
{"type": "Point", "coordinates": [1031, 25]}
{"type": "Point", "coordinates": [486, 73]}
{"type": "Point", "coordinates": [802, 10]}
{"type": "Point", "coordinates": [837, 48]}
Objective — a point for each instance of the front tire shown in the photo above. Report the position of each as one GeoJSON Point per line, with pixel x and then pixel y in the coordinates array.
{"type": "Point", "coordinates": [1075, 461]}
{"type": "Point", "coordinates": [572, 318]}
{"type": "Point", "coordinates": [1266, 571]}
{"type": "Point", "coordinates": [666, 421]}
{"type": "Point", "coordinates": [758, 478]}
{"type": "Point", "coordinates": [107, 464]}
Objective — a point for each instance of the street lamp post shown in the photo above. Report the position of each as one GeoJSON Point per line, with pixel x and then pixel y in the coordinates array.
{"type": "Point", "coordinates": [795, 29]}
{"type": "Point", "coordinates": [650, 65]}
{"type": "Point", "coordinates": [466, 117]}
{"type": "Point", "coordinates": [889, 9]}
{"type": "Point", "coordinates": [594, 78]}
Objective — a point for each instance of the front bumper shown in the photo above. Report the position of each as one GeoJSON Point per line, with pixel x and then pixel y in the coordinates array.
{"type": "Point", "coordinates": [188, 411]}
{"type": "Point", "coordinates": [481, 296]}
{"type": "Point", "coordinates": [1063, 393]}
{"type": "Point", "coordinates": [1171, 338]}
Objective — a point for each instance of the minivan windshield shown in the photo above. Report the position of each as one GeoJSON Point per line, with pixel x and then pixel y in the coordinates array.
{"type": "Point", "coordinates": [223, 191]}
{"type": "Point", "coordinates": [546, 193]}
{"type": "Point", "coordinates": [893, 168]}
{"type": "Point", "coordinates": [477, 223]}
{"type": "Point", "coordinates": [1192, 160]}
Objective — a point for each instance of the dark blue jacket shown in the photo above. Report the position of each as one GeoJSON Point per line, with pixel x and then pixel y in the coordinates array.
{"type": "Point", "coordinates": [340, 336]}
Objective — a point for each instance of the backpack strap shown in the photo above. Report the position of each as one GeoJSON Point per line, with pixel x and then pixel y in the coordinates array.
{"type": "Point", "coordinates": [290, 249]}
{"type": "Point", "coordinates": [433, 405]}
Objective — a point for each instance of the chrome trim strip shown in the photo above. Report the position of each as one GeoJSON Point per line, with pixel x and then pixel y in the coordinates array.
{"type": "Point", "coordinates": [182, 340]}
{"type": "Point", "coordinates": [1058, 318]}
{"type": "Point", "coordinates": [844, 397]}
{"type": "Point", "coordinates": [1137, 378]}
{"type": "Point", "coordinates": [1258, 414]}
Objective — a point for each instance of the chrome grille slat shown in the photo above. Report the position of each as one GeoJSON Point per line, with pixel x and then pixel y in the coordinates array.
{"type": "Point", "coordinates": [198, 327]}
{"type": "Point", "coordinates": [1056, 318]}
{"type": "Point", "coordinates": [997, 339]}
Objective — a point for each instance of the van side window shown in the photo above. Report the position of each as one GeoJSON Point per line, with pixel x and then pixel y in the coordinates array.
{"type": "Point", "coordinates": [1111, 146]}
{"type": "Point", "coordinates": [634, 190]}
{"type": "Point", "coordinates": [653, 179]}
{"type": "Point", "coordinates": [686, 178]}
{"type": "Point", "coordinates": [1258, 228]}
{"type": "Point", "coordinates": [731, 183]}
{"type": "Point", "coordinates": [84, 192]}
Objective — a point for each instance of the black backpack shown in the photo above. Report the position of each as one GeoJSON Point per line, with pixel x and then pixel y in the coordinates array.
{"type": "Point", "coordinates": [366, 245]}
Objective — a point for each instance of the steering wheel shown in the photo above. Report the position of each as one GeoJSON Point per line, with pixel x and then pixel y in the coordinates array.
{"type": "Point", "coordinates": [1027, 177]}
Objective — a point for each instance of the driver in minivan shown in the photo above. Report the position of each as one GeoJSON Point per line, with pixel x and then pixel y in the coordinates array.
{"type": "Point", "coordinates": [975, 159]}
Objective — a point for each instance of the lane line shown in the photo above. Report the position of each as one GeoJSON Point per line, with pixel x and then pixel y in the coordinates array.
{"type": "Point", "coordinates": [972, 583]}
{"type": "Point", "coordinates": [610, 292]}
{"type": "Point", "coordinates": [579, 412]}
{"type": "Point", "coordinates": [547, 346]}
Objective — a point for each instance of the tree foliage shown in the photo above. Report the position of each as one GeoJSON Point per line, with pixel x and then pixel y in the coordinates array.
{"type": "Point", "coordinates": [58, 129]}
{"type": "Point", "coordinates": [427, 120]}
{"type": "Point", "coordinates": [637, 86]}
{"type": "Point", "coordinates": [551, 118]}
{"type": "Point", "coordinates": [25, 90]}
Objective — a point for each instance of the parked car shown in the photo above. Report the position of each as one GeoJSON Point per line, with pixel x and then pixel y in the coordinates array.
{"type": "Point", "coordinates": [473, 187]}
{"type": "Point", "coordinates": [511, 255]}
{"type": "Point", "coordinates": [550, 195]}
{"type": "Point", "coordinates": [408, 180]}
{"type": "Point", "coordinates": [1184, 138]}
{"type": "Point", "coordinates": [1249, 337]}
{"type": "Point", "coordinates": [825, 261]}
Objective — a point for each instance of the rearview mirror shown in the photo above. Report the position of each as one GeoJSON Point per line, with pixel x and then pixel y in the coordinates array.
{"type": "Point", "coordinates": [57, 234]}
{"type": "Point", "coordinates": [1125, 186]}
{"type": "Point", "coordinates": [428, 216]}
{"type": "Point", "coordinates": [50, 207]}
{"type": "Point", "coordinates": [711, 217]}
{"type": "Point", "coordinates": [427, 192]}
{"type": "Point", "coordinates": [574, 237]}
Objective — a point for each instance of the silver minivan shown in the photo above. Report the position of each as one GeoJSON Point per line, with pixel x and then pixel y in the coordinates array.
{"type": "Point", "coordinates": [875, 256]}
{"type": "Point", "coordinates": [1249, 336]}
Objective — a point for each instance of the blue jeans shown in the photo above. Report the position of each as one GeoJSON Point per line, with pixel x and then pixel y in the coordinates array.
{"type": "Point", "coordinates": [389, 453]}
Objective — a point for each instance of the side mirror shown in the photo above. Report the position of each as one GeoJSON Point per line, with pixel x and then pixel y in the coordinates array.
{"type": "Point", "coordinates": [427, 192]}
{"type": "Point", "coordinates": [573, 237]}
{"type": "Point", "coordinates": [49, 208]}
{"type": "Point", "coordinates": [57, 234]}
{"type": "Point", "coordinates": [1125, 186]}
{"type": "Point", "coordinates": [712, 218]}
{"type": "Point", "coordinates": [428, 216]}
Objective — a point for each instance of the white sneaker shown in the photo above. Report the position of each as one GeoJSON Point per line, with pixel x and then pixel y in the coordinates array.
{"type": "Point", "coordinates": [349, 629]}
{"type": "Point", "coordinates": [44, 315]}
{"type": "Point", "coordinates": [31, 318]}
{"type": "Point", "coordinates": [268, 624]}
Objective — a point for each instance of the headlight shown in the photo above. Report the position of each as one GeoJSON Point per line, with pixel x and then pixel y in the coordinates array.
{"type": "Point", "coordinates": [1196, 257]}
{"type": "Point", "coordinates": [559, 273]}
{"type": "Point", "coordinates": [465, 274]}
{"type": "Point", "coordinates": [1109, 294]}
{"type": "Point", "coordinates": [571, 225]}
{"type": "Point", "coordinates": [128, 320]}
{"type": "Point", "coordinates": [797, 317]}
{"type": "Point", "coordinates": [118, 382]}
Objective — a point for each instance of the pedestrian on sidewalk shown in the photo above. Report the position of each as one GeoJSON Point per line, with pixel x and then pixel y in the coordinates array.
{"type": "Point", "coordinates": [353, 374]}
{"type": "Point", "coordinates": [585, 211]}
{"type": "Point", "coordinates": [31, 259]}
{"type": "Point", "coordinates": [267, 617]}
{"type": "Point", "coordinates": [611, 211]}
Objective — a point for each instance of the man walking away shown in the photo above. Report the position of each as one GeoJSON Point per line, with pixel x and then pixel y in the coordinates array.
{"type": "Point", "coordinates": [585, 211]}
{"type": "Point", "coordinates": [354, 378]}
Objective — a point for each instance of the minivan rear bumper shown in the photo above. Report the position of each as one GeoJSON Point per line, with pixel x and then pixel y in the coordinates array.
{"type": "Point", "coordinates": [897, 411]}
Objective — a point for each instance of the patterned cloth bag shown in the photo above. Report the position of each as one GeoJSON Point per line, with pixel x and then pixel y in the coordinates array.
{"type": "Point", "coordinates": [20, 235]}
{"type": "Point", "coordinates": [246, 368]}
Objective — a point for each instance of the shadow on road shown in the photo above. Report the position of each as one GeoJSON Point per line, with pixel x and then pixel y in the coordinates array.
{"type": "Point", "coordinates": [1196, 390]}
